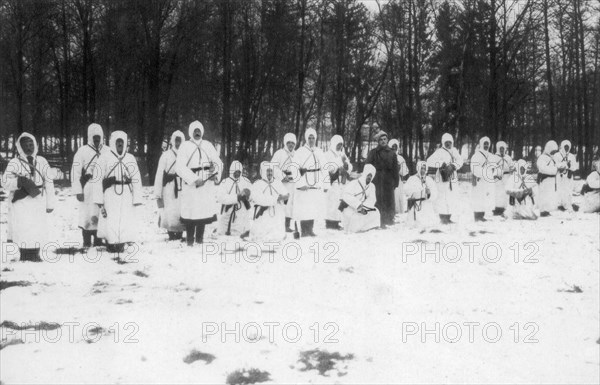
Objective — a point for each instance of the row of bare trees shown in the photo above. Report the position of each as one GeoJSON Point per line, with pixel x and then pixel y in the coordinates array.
{"type": "Point", "coordinates": [521, 71]}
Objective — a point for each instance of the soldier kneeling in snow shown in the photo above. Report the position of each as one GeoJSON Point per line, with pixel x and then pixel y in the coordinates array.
{"type": "Point", "coordinates": [520, 195]}
{"type": "Point", "coordinates": [591, 190]}
{"type": "Point", "coordinates": [269, 197]}
{"type": "Point", "coordinates": [358, 203]}
{"type": "Point", "coordinates": [421, 192]}
{"type": "Point", "coordinates": [118, 194]}
{"type": "Point", "coordinates": [31, 190]}
{"type": "Point", "coordinates": [234, 194]}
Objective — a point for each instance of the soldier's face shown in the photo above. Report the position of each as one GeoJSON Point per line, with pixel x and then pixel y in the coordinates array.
{"type": "Point", "coordinates": [339, 147]}
{"type": "Point", "coordinates": [120, 144]}
{"type": "Point", "coordinates": [567, 148]}
{"type": "Point", "coordinates": [368, 178]}
{"type": "Point", "coordinates": [28, 146]}
{"type": "Point", "coordinates": [383, 141]}
{"type": "Point", "coordinates": [502, 149]}
{"type": "Point", "coordinates": [395, 147]}
{"type": "Point", "coordinates": [96, 140]}
{"type": "Point", "coordinates": [177, 142]}
{"type": "Point", "coordinates": [522, 170]}
{"type": "Point", "coordinates": [197, 134]}
{"type": "Point", "coordinates": [486, 146]}
{"type": "Point", "coordinates": [312, 140]}
{"type": "Point", "coordinates": [448, 144]}
{"type": "Point", "coordinates": [290, 146]}
{"type": "Point", "coordinates": [423, 170]}
{"type": "Point", "coordinates": [269, 174]}
{"type": "Point", "coordinates": [237, 174]}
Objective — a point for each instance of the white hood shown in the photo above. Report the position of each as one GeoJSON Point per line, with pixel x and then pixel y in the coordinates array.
{"type": "Point", "coordinates": [309, 132]}
{"type": "Point", "coordinates": [500, 145]}
{"type": "Point", "coordinates": [447, 137]}
{"type": "Point", "coordinates": [264, 166]}
{"type": "Point", "coordinates": [176, 134]}
{"type": "Point", "coordinates": [113, 143]}
{"type": "Point", "coordinates": [521, 163]}
{"type": "Point", "coordinates": [550, 147]}
{"type": "Point", "coordinates": [289, 137]}
{"type": "Point", "coordinates": [20, 149]}
{"type": "Point", "coordinates": [93, 130]}
{"type": "Point", "coordinates": [419, 165]}
{"type": "Point", "coordinates": [483, 140]}
{"type": "Point", "coordinates": [235, 166]}
{"type": "Point", "coordinates": [195, 124]}
{"type": "Point", "coordinates": [368, 169]}
{"type": "Point", "coordinates": [334, 141]}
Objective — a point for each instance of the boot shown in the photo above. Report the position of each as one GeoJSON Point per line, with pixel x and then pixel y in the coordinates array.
{"type": "Point", "coordinates": [575, 207]}
{"type": "Point", "coordinates": [498, 211]}
{"type": "Point", "coordinates": [562, 208]}
{"type": "Point", "coordinates": [245, 235]}
{"type": "Point", "coordinates": [200, 233]}
{"type": "Point", "coordinates": [30, 255]}
{"type": "Point", "coordinates": [87, 238]}
{"type": "Point", "coordinates": [189, 234]}
{"type": "Point", "coordinates": [174, 235]}
{"type": "Point", "coordinates": [334, 225]}
{"type": "Point", "coordinates": [445, 219]}
{"type": "Point", "coordinates": [479, 216]}
{"type": "Point", "coordinates": [304, 229]}
{"type": "Point", "coordinates": [287, 225]}
{"type": "Point", "coordinates": [311, 225]}
{"type": "Point", "coordinates": [544, 214]}
{"type": "Point", "coordinates": [97, 241]}
{"type": "Point", "coordinates": [115, 248]}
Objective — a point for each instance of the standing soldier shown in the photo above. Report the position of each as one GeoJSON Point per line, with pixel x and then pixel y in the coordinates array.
{"type": "Point", "coordinates": [284, 159]}
{"type": "Point", "coordinates": [400, 198]}
{"type": "Point", "coordinates": [234, 196]}
{"type": "Point", "coordinates": [84, 174]}
{"type": "Point", "coordinates": [29, 181]}
{"type": "Point", "coordinates": [309, 198]}
{"type": "Point", "coordinates": [384, 159]}
{"type": "Point", "coordinates": [199, 166]}
{"type": "Point", "coordinates": [484, 176]}
{"type": "Point", "coordinates": [548, 168]}
{"type": "Point", "coordinates": [505, 169]}
{"type": "Point", "coordinates": [442, 166]}
{"type": "Point", "coordinates": [118, 194]}
{"type": "Point", "coordinates": [339, 168]}
{"type": "Point", "coordinates": [564, 179]}
{"type": "Point", "coordinates": [167, 187]}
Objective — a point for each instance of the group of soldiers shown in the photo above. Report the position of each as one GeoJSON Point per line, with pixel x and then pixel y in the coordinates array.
{"type": "Point", "coordinates": [296, 188]}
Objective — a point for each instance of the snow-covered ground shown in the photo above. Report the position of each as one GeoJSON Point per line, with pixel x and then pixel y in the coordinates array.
{"type": "Point", "coordinates": [368, 307]}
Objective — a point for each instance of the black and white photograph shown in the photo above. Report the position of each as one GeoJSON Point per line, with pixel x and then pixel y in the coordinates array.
{"type": "Point", "coordinates": [299, 192]}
